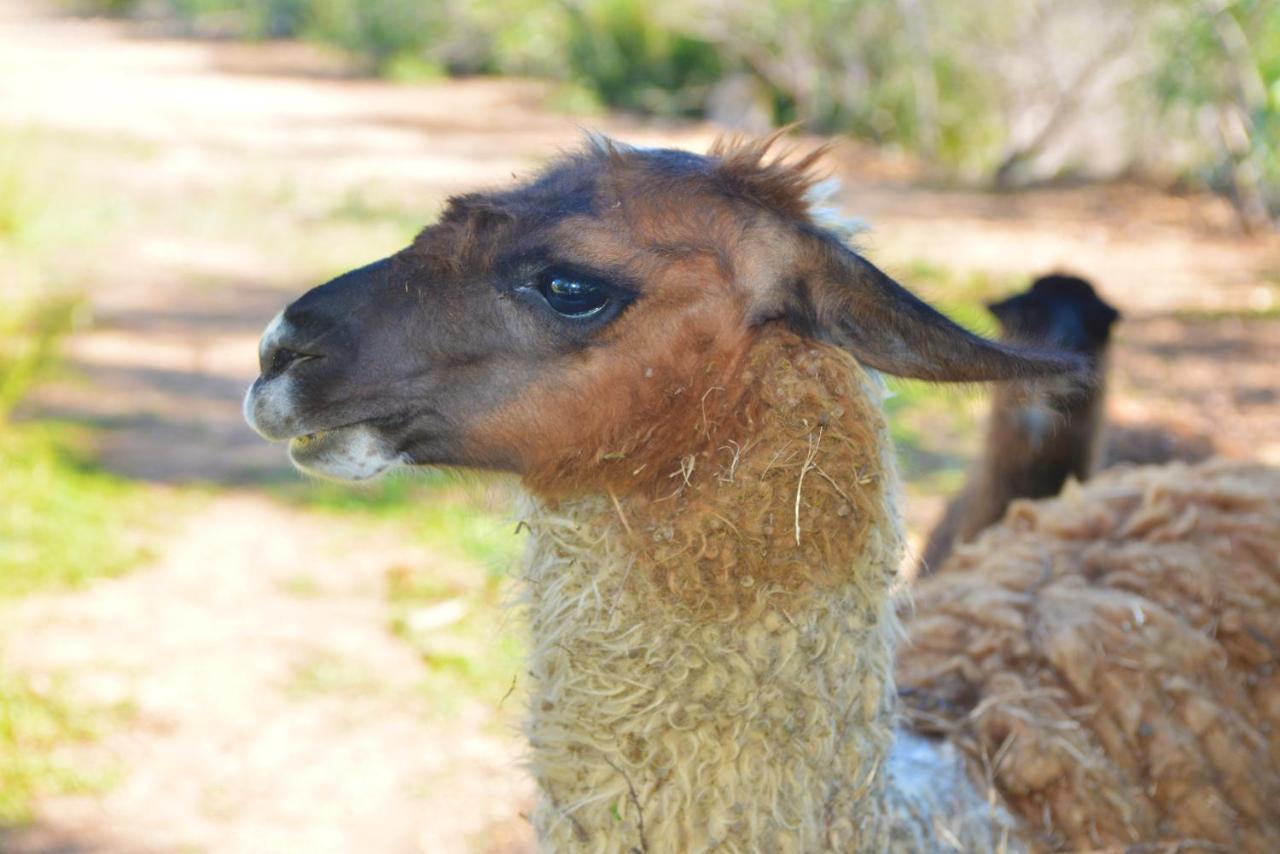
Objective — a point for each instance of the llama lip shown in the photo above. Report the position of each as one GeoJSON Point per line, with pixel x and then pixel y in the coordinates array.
{"type": "Point", "coordinates": [314, 438]}
{"type": "Point", "coordinates": [310, 449]}
{"type": "Point", "coordinates": [303, 441]}
{"type": "Point", "coordinates": [309, 444]}
{"type": "Point", "coordinates": [352, 452]}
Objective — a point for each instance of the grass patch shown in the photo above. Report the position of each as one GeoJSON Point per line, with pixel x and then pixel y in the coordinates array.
{"type": "Point", "coordinates": [960, 294]}
{"type": "Point", "coordinates": [63, 521]}
{"type": "Point", "coordinates": [451, 610]}
{"type": "Point", "coordinates": [358, 205]}
{"type": "Point", "coordinates": [327, 674]}
{"type": "Point", "coordinates": [461, 517]}
{"type": "Point", "coordinates": [935, 430]}
{"type": "Point", "coordinates": [36, 723]}
{"type": "Point", "coordinates": [302, 586]}
{"type": "Point", "coordinates": [458, 628]}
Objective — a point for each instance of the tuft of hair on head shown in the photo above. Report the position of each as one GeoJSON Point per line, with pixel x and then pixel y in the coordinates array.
{"type": "Point", "coordinates": [606, 147]}
{"type": "Point", "coordinates": [769, 175]}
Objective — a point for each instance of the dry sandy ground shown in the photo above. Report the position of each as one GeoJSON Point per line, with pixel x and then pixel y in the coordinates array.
{"type": "Point", "coordinates": [211, 642]}
{"type": "Point", "coordinates": [275, 711]}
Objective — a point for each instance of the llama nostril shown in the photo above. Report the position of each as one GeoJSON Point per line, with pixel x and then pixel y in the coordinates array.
{"type": "Point", "coordinates": [280, 359]}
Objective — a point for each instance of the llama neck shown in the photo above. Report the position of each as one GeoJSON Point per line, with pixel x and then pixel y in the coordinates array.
{"type": "Point", "coordinates": [1035, 441]}
{"type": "Point", "coordinates": [714, 666]}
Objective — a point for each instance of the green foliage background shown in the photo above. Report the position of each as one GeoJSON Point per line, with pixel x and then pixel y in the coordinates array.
{"type": "Point", "coordinates": [948, 81]}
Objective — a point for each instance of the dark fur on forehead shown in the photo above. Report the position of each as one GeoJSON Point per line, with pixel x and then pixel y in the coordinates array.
{"type": "Point", "coordinates": [755, 171]}
{"type": "Point", "coordinates": [464, 229]}
{"type": "Point", "coordinates": [470, 222]}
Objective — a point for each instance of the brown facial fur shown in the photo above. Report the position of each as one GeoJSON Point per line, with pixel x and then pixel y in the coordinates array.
{"type": "Point", "coordinates": [624, 411]}
{"type": "Point", "coordinates": [785, 480]}
{"type": "Point", "coordinates": [724, 247]}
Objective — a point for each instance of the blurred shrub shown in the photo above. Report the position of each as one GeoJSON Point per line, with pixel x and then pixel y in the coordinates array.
{"type": "Point", "coordinates": [34, 313]}
{"type": "Point", "coordinates": [623, 51]}
{"type": "Point", "coordinates": [386, 32]}
{"type": "Point", "coordinates": [1218, 82]}
{"type": "Point", "coordinates": [1005, 90]}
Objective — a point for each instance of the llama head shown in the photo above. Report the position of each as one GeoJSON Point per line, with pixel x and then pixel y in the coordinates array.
{"type": "Point", "coordinates": [1060, 311]}
{"type": "Point", "coordinates": [603, 302]}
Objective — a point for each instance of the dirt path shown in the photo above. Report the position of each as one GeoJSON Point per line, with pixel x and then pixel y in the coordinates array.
{"type": "Point", "coordinates": [274, 711]}
{"type": "Point", "coordinates": [272, 719]}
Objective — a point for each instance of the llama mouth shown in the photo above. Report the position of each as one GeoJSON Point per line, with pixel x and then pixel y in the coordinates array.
{"type": "Point", "coordinates": [309, 438]}
{"type": "Point", "coordinates": [318, 441]}
{"type": "Point", "coordinates": [315, 438]}
{"type": "Point", "coordinates": [351, 453]}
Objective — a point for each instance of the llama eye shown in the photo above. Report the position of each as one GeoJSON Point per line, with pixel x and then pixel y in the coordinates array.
{"type": "Point", "coordinates": [571, 297]}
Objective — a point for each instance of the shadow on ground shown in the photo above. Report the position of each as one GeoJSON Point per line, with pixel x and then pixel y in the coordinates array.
{"type": "Point", "coordinates": [162, 386]}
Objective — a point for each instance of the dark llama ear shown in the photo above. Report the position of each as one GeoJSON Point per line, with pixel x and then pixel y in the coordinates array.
{"type": "Point", "coordinates": [1003, 309]}
{"type": "Point", "coordinates": [840, 297]}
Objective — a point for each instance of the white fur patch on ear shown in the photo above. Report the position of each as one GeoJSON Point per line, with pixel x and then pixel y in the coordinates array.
{"type": "Point", "coordinates": [825, 214]}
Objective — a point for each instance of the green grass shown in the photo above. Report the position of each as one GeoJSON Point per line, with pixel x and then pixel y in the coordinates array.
{"type": "Point", "coordinates": [63, 523]}
{"type": "Point", "coordinates": [37, 722]}
{"type": "Point", "coordinates": [302, 586]}
{"type": "Point", "coordinates": [459, 629]}
{"type": "Point", "coordinates": [62, 520]}
{"type": "Point", "coordinates": [935, 430]}
{"type": "Point", "coordinates": [451, 609]}
{"type": "Point", "coordinates": [327, 674]}
{"type": "Point", "coordinates": [460, 516]}
{"type": "Point", "coordinates": [961, 296]}
{"type": "Point", "coordinates": [935, 426]}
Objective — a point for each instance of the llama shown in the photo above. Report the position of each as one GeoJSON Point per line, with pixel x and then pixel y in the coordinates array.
{"type": "Point", "coordinates": [682, 366]}
{"type": "Point", "coordinates": [1038, 437]}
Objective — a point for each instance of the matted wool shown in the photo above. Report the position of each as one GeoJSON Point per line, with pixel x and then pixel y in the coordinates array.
{"type": "Point", "coordinates": [1108, 659]}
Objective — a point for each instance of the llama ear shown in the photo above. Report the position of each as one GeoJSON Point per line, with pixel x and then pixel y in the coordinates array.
{"type": "Point", "coordinates": [1106, 315]}
{"type": "Point", "coordinates": [839, 296]}
{"type": "Point", "coordinates": [1001, 309]}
